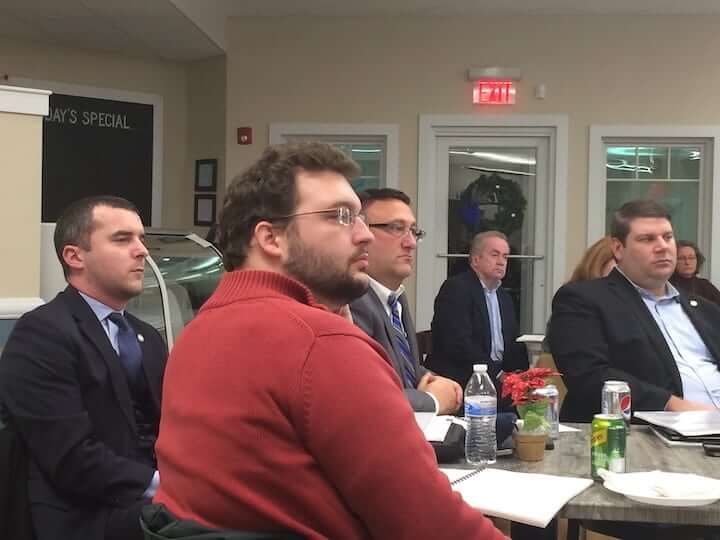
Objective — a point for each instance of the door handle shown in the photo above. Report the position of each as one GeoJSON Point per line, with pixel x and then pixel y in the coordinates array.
{"type": "Point", "coordinates": [466, 255]}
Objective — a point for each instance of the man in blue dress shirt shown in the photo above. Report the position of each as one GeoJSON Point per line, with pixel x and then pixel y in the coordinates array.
{"type": "Point", "coordinates": [474, 320]}
{"type": "Point", "coordinates": [634, 326]}
{"type": "Point", "coordinates": [81, 379]}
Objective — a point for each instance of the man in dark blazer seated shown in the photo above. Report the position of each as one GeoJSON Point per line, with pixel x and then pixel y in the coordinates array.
{"type": "Point", "coordinates": [636, 327]}
{"type": "Point", "coordinates": [81, 380]}
{"type": "Point", "coordinates": [383, 312]}
{"type": "Point", "coordinates": [474, 320]}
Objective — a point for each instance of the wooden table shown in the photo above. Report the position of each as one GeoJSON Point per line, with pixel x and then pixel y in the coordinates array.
{"type": "Point", "coordinates": [645, 452]}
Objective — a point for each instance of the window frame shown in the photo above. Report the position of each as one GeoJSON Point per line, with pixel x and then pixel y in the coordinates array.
{"type": "Point", "coordinates": [707, 136]}
{"type": "Point", "coordinates": [354, 133]}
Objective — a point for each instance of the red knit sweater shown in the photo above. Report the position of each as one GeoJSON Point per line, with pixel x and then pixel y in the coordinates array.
{"type": "Point", "coordinates": [279, 415]}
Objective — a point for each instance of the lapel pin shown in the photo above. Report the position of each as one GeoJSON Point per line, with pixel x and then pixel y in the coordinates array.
{"type": "Point", "coordinates": [693, 303]}
{"type": "Point", "coordinates": [141, 339]}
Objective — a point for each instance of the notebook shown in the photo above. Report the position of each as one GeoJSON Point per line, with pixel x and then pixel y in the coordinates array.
{"type": "Point", "coordinates": [686, 428]}
{"type": "Point", "coordinates": [528, 498]}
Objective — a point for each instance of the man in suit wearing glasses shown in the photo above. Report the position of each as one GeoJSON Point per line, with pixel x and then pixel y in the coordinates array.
{"type": "Point", "coordinates": [383, 312]}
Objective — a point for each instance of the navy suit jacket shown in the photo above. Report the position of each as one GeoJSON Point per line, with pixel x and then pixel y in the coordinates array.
{"type": "Point", "coordinates": [68, 396]}
{"type": "Point", "coordinates": [461, 331]}
{"type": "Point", "coordinates": [602, 330]}
{"type": "Point", "coordinates": [369, 314]}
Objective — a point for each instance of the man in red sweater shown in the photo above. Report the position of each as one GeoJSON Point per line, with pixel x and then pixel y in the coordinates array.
{"type": "Point", "coordinates": [278, 414]}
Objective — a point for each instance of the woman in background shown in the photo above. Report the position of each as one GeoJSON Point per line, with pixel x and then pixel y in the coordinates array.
{"type": "Point", "coordinates": [685, 278]}
{"type": "Point", "coordinates": [597, 262]}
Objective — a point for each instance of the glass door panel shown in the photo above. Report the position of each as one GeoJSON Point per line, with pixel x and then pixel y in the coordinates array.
{"type": "Point", "coordinates": [496, 183]}
{"type": "Point", "coordinates": [492, 188]}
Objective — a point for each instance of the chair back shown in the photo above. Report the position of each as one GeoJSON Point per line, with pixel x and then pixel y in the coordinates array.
{"type": "Point", "coordinates": [15, 518]}
{"type": "Point", "coordinates": [158, 523]}
{"type": "Point", "coordinates": [424, 341]}
{"type": "Point", "coordinates": [546, 360]}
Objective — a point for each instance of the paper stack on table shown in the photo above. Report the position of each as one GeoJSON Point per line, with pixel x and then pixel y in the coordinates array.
{"type": "Point", "coordinates": [528, 498]}
{"type": "Point", "coordinates": [686, 423]}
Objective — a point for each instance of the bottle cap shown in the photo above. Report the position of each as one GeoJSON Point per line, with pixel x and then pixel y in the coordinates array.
{"type": "Point", "coordinates": [479, 367]}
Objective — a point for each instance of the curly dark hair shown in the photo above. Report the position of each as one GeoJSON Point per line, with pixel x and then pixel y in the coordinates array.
{"type": "Point", "coordinates": [267, 191]}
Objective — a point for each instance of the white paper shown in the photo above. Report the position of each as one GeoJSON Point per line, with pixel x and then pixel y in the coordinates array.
{"type": "Point", "coordinates": [521, 497]}
{"type": "Point", "coordinates": [455, 474]}
{"type": "Point", "coordinates": [686, 423]}
{"type": "Point", "coordinates": [437, 429]}
{"type": "Point", "coordinates": [530, 338]}
{"type": "Point", "coordinates": [423, 419]}
{"type": "Point", "coordinates": [669, 442]}
{"type": "Point", "coordinates": [567, 429]}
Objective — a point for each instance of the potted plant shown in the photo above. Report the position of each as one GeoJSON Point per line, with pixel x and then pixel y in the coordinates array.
{"type": "Point", "coordinates": [532, 426]}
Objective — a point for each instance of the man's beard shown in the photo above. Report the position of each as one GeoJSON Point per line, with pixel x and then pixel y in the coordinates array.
{"type": "Point", "coordinates": [322, 274]}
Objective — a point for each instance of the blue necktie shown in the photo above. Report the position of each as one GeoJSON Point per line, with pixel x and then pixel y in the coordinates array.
{"type": "Point", "coordinates": [409, 377]}
{"type": "Point", "coordinates": [128, 347]}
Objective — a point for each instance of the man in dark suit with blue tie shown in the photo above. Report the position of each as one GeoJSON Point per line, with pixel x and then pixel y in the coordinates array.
{"type": "Point", "coordinates": [474, 320]}
{"type": "Point", "coordinates": [81, 380]}
{"type": "Point", "coordinates": [383, 312]}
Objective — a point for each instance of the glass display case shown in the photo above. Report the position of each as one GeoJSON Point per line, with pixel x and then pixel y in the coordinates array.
{"type": "Point", "coordinates": [181, 272]}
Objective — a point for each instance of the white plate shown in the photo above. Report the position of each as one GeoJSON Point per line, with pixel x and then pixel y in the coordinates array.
{"type": "Point", "coordinates": [636, 491]}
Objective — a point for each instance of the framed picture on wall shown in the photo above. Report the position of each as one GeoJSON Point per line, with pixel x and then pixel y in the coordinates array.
{"type": "Point", "coordinates": [204, 209]}
{"type": "Point", "coordinates": [206, 175]}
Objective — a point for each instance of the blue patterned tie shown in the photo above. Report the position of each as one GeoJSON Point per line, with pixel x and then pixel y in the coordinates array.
{"type": "Point", "coordinates": [128, 347]}
{"type": "Point", "coordinates": [409, 377]}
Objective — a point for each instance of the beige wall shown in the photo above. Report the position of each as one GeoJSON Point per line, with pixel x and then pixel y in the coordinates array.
{"type": "Point", "coordinates": [21, 158]}
{"type": "Point", "coordinates": [166, 79]}
{"type": "Point", "coordinates": [604, 70]}
{"type": "Point", "coordinates": [206, 118]}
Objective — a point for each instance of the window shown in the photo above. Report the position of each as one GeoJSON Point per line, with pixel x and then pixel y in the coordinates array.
{"type": "Point", "coordinates": [368, 154]}
{"type": "Point", "coordinates": [668, 173]}
{"type": "Point", "coordinates": [675, 165]}
{"type": "Point", "coordinates": [372, 146]}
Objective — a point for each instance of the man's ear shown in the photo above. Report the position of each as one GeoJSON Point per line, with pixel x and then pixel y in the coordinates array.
{"type": "Point", "coordinates": [74, 257]}
{"type": "Point", "coordinates": [473, 260]}
{"type": "Point", "coordinates": [616, 246]}
{"type": "Point", "coordinates": [268, 239]}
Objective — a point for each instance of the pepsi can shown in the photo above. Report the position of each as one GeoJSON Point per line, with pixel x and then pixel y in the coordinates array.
{"type": "Point", "coordinates": [616, 399]}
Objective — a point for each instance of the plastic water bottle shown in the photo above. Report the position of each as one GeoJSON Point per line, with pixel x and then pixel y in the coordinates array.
{"type": "Point", "coordinates": [480, 413]}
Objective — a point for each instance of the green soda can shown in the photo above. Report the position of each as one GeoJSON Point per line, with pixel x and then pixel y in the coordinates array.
{"type": "Point", "coordinates": [616, 444]}
{"type": "Point", "coordinates": [607, 444]}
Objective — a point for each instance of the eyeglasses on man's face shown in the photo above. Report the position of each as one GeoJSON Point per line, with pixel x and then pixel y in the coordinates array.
{"type": "Point", "coordinates": [399, 229]}
{"type": "Point", "coordinates": [344, 215]}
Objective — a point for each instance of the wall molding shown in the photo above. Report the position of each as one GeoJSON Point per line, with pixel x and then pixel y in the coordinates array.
{"type": "Point", "coordinates": [15, 99]}
{"type": "Point", "coordinates": [14, 308]}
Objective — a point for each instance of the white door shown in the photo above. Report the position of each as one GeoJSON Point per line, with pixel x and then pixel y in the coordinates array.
{"type": "Point", "coordinates": [502, 179]}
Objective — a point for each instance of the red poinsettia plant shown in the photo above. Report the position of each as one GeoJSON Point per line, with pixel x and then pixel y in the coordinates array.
{"type": "Point", "coordinates": [521, 388]}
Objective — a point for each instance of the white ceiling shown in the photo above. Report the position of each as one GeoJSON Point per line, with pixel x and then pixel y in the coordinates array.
{"type": "Point", "coordinates": [186, 30]}
{"type": "Point", "coordinates": [240, 8]}
{"type": "Point", "coordinates": [148, 28]}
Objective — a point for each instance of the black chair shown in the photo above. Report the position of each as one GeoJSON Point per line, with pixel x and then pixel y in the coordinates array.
{"type": "Point", "coordinates": [15, 519]}
{"type": "Point", "coordinates": [158, 523]}
{"type": "Point", "coordinates": [424, 341]}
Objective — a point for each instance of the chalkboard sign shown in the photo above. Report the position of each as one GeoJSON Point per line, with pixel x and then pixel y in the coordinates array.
{"type": "Point", "coordinates": [96, 147]}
